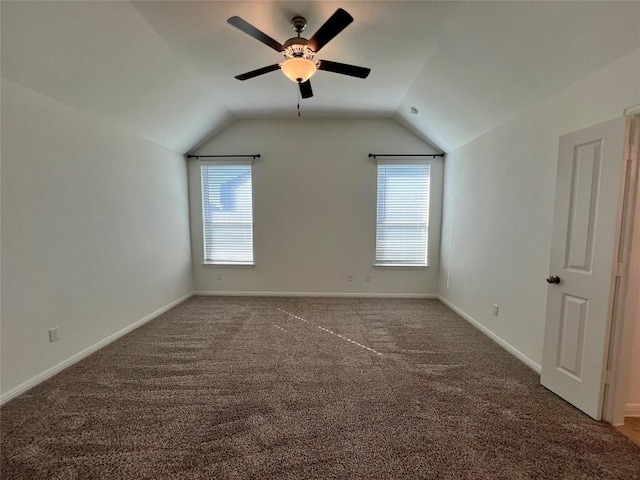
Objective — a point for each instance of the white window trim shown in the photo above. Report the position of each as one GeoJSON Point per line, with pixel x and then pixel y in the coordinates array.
{"type": "Point", "coordinates": [402, 266]}
{"type": "Point", "coordinates": [216, 264]}
{"type": "Point", "coordinates": [229, 265]}
{"type": "Point", "coordinates": [408, 161]}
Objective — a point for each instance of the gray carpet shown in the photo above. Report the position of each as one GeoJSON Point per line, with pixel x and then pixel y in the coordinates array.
{"type": "Point", "coordinates": [297, 388]}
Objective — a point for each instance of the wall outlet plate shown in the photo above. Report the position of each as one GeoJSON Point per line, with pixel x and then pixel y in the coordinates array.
{"type": "Point", "coordinates": [495, 310]}
{"type": "Point", "coordinates": [53, 334]}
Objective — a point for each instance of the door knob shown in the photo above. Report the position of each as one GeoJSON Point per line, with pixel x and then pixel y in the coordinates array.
{"type": "Point", "coordinates": [553, 279]}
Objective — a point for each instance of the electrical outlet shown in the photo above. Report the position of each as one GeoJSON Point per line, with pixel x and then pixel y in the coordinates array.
{"type": "Point", "coordinates": [367, 278]}
{"type": "Point", "coordinates": [495, 310]}
{"type": "Point", "coordinates": [219, 275]}
{"type": "Point", "coordinates": [350, 277]}
{"type": "Point", "coordinates": [53, 334]}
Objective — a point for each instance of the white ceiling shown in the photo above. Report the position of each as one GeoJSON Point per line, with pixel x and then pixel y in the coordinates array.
{"type": "Point", "coordinates": [164, 69]}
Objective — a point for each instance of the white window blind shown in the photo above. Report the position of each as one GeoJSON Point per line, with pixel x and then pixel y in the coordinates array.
{"type": "Point", "coordinates": [402, 226]}
{"type": "Point", "coordinates": [227, 213]}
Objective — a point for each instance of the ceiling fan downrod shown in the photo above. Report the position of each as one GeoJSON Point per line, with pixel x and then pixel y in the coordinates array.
{"type": "Point", "coordinates": [298, 23]}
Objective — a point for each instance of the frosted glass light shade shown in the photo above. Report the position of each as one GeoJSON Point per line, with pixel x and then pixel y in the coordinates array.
{"type": "Point", "coordinates": [298, 69]}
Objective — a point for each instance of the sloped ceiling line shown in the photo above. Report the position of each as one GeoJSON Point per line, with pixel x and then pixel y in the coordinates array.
{"type": "Point", "coordinates": [164, 69]}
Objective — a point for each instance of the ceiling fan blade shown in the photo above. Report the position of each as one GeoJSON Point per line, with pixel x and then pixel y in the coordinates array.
{"type": "Point", "coordinates": [305, 89]}
{"type": "Point", "coordinates": [332, 27]}
{"type": "Point", "coordinates": [260, 71]}
{"type": "Point", "coordinates": [344, 69]}
{"type": "Point", "coordinates": [252, 31]}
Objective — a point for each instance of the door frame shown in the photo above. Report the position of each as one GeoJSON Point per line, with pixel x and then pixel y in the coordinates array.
{"type": "Point", "coordinates": [625, 306]}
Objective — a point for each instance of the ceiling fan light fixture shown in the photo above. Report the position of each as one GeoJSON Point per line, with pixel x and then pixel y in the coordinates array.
{"type": "Point", "coordinates": [298, 69]}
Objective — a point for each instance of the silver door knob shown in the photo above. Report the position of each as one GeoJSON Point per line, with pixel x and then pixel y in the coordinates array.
{"type": "Point", "coordinates": [553, 279]}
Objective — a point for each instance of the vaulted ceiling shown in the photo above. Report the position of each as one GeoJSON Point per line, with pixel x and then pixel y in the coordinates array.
{"type": "Point", "coordinates": [164, 69]}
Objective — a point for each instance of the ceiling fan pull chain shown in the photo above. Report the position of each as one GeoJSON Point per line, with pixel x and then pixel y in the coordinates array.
{"type": "Point", "coordinates": [298, 104]}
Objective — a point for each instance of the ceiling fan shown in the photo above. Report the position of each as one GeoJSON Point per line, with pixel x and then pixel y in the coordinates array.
{"type": "Point", "coordinates": [299, 64]}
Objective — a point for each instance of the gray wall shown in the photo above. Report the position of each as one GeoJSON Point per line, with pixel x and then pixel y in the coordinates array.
{"type": "Point", "coordinates": [499, 204]}
{"type": "Point", "coordinates": [95, 232]}
{"type": "Point", "coordinates": [314, 195]}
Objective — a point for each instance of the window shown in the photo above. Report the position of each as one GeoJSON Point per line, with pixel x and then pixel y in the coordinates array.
{"type": "Point", "coordinates": [227, 213]}
{"type": "Point", "coordinates": [402, 225]}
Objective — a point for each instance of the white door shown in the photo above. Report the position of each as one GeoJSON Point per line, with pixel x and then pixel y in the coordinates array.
{"type": "Point", "coordinates": [582, 258]}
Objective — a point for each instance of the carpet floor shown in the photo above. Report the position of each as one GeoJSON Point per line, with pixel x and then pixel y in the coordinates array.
{"type": "Point", "coordinates": [305, 388]}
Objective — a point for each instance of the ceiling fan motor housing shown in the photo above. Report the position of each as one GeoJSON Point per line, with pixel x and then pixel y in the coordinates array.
{"type": "Point", "coordinates": [297, 47]}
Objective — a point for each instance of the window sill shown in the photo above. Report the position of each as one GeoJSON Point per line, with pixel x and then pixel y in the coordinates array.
{"type": "Point", "coordinates": [400, 266]}
{"type": "Point", "coordinates": [228, 265]}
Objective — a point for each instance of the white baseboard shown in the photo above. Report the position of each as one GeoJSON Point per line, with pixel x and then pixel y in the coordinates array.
{"type": "Point", "coordinates": [316, 294]}
{"type": "Point", "coordinates": [503, 343]}
{"type": "Point", "coordinates": [50, 372]}
{"type": "Point", "coordinates": [632, 410]}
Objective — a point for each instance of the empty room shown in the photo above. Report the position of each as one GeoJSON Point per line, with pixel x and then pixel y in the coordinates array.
{"type": "Point", "coordinates": [320, 240]}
